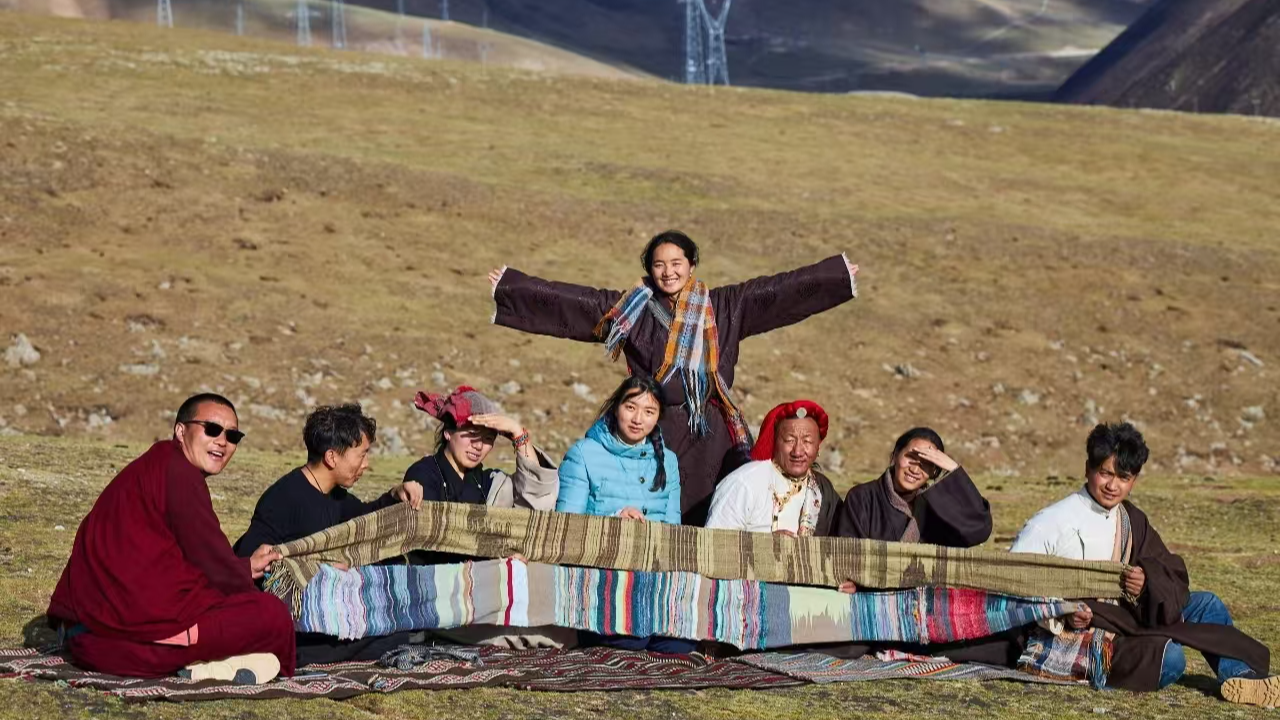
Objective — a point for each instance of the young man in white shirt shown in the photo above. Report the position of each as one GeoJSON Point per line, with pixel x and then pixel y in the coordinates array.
{"type": "Point", "coordinates": [1159, 614]}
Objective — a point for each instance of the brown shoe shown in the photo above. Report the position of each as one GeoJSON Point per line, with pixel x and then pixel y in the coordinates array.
{"type": "Point", "coordinates": [1253, 690]}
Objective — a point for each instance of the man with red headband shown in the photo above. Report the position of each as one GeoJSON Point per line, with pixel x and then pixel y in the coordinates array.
{"type": "Point", "coordinates": [780, 491]}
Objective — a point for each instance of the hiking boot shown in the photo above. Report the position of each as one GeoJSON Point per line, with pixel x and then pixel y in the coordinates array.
{"type": "Point", "coordinates": [1253, 689]}
{"type": "Point", "coordinates": [253, 669]}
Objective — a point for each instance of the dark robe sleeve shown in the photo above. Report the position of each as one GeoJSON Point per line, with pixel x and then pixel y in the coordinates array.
{"type": "Point", "coordinates": [829, 515]}
{"type": "Point", "coordinates": [544, 307]}
{"type": "Point", "coordinates": [954, 513]}
{"type": "Point", "coordinates": [852, 520]}
{"type": "Point", "coordinates": [189, 514]}
{"type": "Point", "coordinates": [1168, 585]}
{"type": "Point", "coordinates": [768, 303]}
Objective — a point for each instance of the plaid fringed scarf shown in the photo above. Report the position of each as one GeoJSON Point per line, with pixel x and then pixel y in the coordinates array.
{"type": "Point", "coordinates": [1079, 655]}
{"type": "Point", "coordinates": [693, 352]}
{"type": "Point", "coordinates": [1075, 655]}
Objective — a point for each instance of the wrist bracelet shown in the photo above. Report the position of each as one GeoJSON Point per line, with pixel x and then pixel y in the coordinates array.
{"type": "Point", "coordinates": [521, 440]}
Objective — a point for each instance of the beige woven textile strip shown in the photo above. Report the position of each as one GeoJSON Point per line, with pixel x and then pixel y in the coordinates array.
{"type": "Point", "coordinates": [610, 542]}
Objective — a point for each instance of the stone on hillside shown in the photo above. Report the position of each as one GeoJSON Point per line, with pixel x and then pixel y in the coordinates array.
{"type": "Point", "coordinates": [583, 391]}
{"type": "Point", "coordinates": [833, 460]}
{"type": "Point", "coordinates": [99, 419]}
{"type": "Point", "coordinates": [267, 412]}
{"type": "Point", "coordinates": [1253, 413]}
{"type": "Point", "coordinates": [438, 379]}
{"type": "Point", "coordinates": [511, 387]}
{"type": "Point", "coordinates": [390, 442]}
{"type": "Point", "coordinates": [1250, 358]}
{"type": "Point", "coordinates": [21, 352]}
{"type": "Point", "coordinates": [1029, 397]}
{"type": "Point", "coordinates": [384, 384]}
{"type": "Point", "coordinates": [144, 369]}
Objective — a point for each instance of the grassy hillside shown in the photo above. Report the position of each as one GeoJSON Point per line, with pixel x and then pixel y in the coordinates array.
{"type": "Point", "coordinates": [185, 210]}
{"type": "Point", "coordinates": [1226, 530]}
{"type": "Point", "coordinates": [368, 30]}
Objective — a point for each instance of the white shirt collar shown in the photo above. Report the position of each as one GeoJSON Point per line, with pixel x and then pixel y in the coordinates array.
{"type": "Point", "coordinates": [1093, 504]}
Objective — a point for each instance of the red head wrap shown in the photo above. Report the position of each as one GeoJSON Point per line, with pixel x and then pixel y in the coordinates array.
{"type": "Point", "coordinates": [461, 404]}
{"type": "Point", "coordinates": [763, 449]}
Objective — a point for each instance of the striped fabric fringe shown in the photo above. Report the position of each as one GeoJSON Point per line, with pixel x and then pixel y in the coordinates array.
{"type": "Point", "coordinates": [750, 615]}
{"type": "Point", "coordinates": [1073, 655]}
{"type": "Point", "coordinates": [692, 352]}
{"type": "Point", "coordinates": [617, 544]}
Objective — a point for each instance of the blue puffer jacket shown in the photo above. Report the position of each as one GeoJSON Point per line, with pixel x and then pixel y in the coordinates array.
{"type": "Point", "coordinates": [601, 475]}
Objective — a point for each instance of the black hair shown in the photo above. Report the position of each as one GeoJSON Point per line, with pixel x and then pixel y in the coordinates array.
{"type": "Point", "coordinates": [187, 410]}
{"type": "Point", "coordinates": [336, 427]}
{"type": "Point", "coordinates": [670, 237]}
{"type": "Point", "coordinates": [631, 387]}
{"type": "Point", "coordinates": [918, 433]}
{"type": "Point", "coordinates": [1121, 440]}
{"type": "Point", "coordinates": [447, 425]}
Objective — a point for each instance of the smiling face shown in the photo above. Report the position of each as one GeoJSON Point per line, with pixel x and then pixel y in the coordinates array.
{"type": "Point", "coordinates": [350, 464]}
{"type": "Point", "coordinates": [636, 416]}
{"type": "Point", "coordinates": [469, 445]}
{"type": "Point", "coordinates": [669, 270]}
{"type": "Point", "coordinates": [1108, 486]}
{"type": "Point", "coordinates": [910, 473]}
{"type": "Point", "coordinates": [795, 445]}
{"type": "Point", "coordinates": [209, 454]}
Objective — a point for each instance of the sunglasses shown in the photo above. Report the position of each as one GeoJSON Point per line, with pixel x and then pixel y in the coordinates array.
{"type": "Point", "coordinates": [214, 430]}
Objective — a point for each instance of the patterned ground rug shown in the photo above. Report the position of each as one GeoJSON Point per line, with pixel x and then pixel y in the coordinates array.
{"type": "Point", "coordinates": [821, 669]}
{"type": "Point", "coordinates": [543, 669]}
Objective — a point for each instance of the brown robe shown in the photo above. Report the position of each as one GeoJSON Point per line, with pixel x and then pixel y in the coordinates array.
{"type": "Point", "coordinates": [1144, 628]}
{"type": "Point", "coordinates": [951, 513]}
{"type": "Point", "coordinates": [756, 306]}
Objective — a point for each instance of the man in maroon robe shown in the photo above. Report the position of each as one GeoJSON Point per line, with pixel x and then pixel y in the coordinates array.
{"type": "Point", "coordinates": [152, 586]}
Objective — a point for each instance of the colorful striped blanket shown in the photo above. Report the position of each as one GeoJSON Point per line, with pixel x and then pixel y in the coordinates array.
{"type": "Point", "coordinates": [378, 600]}
{"type": "Point", "coordinates": [616, 544]}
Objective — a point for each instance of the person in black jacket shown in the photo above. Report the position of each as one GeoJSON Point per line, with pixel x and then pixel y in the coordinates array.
{"type": "Point", "coordinates": [318, 495]}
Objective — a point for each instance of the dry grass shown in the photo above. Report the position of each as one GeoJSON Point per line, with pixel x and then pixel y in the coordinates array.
{"type": "Point", "coordinates": [186, 210]}
{"type": "Point", "coordinates": [1230, 547]}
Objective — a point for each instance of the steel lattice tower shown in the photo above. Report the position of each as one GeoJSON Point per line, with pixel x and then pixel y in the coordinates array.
{"type": "Point", "coordinates": [695, 61]}
{"type": "Point", "coordinates": [164, 13]}
{"type": "Point", "coordinates": [428, 51]}
{"type": "Point", "coordinates": [240, 17]}
{"type": "Point", "coordinates": [338, 23]}
{"type": "Point", "coordinates": [303, 17]}
{"type": "Point", "coordinates": [444, 9]}
{"type": "Point", "coordinates": [717, 58]}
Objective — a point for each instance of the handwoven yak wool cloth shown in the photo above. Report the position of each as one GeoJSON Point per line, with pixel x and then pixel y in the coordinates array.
{"type": "Point", "coordinates": [618, 544]}
{"type": "Point", "coordinates": [378, 600]}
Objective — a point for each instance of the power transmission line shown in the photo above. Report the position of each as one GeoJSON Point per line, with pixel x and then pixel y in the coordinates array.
{"type": "Point", "coordinates": [338, 23]}
{"type": "Point", "coordinates": [164, 13]}
{"type": "Point", "coordinates": [302, 14]}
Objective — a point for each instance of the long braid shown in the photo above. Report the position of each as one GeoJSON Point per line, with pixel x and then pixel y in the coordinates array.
{"type": "Point", "coordinates": [659, 477]}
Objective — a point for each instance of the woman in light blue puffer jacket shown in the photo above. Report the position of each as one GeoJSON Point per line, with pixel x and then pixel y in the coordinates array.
{"type": "Point", "coordinates": [623, 468]}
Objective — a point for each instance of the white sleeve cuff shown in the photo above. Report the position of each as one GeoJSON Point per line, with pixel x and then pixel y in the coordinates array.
{"type": "Point", "coordinates": [853, 279]}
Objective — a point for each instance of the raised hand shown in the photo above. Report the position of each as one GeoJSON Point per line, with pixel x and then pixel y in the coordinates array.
{"type": "Point", "coordinates": [937, 458]}
{"type": "Point", "coordinates": [853, 269]}
{"type": "Point", "coordinates": [495, 275]}
{"type": "Point", "coordinates": [504, 425]}
{"type": "Point", "coordinates": [409, 492]}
